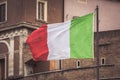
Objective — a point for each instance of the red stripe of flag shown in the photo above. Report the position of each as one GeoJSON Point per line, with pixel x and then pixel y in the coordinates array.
{"type": "Point", "coordinates": [38, 43]}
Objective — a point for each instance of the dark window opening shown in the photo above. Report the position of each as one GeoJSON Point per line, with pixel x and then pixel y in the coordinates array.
{"type": "Point", "coordinates": [102, 61]}
{"type": "Point", "coordinates": [78, 64]}
{"type": "Point", "coordinates": [2, 12]}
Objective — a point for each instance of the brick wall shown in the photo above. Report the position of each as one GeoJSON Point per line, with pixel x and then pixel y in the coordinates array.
{"type": "Point", "coordinates": [109, 46]}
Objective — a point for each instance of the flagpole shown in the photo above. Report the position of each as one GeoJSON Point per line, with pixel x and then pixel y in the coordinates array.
{"type": "Point", "coordinates": [97, 42]}
{"type": "Point", "coordinates": [60, 67]}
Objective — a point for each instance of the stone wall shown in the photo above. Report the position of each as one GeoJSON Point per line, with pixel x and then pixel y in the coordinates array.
{"type": "Point", "coordinates": [84, 73]}
{"type": "Point", "coordinates": [109, 49]}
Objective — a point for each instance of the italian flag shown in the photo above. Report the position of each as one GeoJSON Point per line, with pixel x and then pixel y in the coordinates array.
{"type": "Point", "coordinates": [71, 39]}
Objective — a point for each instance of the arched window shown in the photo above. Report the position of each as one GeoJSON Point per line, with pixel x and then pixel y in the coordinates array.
{"type": "Point", "coordinates": [102, 61]}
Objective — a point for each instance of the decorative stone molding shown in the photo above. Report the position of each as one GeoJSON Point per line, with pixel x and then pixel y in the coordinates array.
{"type": "Point", "coordinates": [7, 44]}
{"type": "Point", "coordinates": [10, 35]}
{"type": "Point", "coordinates": [13, 33]}
{"type": "Point", "coordinates": [4, 55]}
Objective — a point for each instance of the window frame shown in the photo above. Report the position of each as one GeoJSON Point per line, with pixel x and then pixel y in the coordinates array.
{"type": "Point", "coordinates": [78, 64]}
{"type": "Point", "coordinates": [45, 10]}
{"type": "Point", "coordinates": [1, 3]}
{"type": "Point", "coordinates": [103, 60]}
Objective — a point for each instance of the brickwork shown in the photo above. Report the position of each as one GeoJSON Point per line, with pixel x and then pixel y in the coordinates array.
{"type": "Point", "coordinates": [16, 53]}
{"type": "Point", "coordinates": [109, 47]}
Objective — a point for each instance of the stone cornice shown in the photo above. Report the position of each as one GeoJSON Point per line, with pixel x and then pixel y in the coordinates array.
{"type": "Point", "coordinates": [23, 24]}
{"type": "Point", "coordinates": [13, 33]}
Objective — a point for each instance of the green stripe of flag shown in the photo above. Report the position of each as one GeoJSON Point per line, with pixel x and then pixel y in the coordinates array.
{"type": "Point", "coordinates": [81, 37]}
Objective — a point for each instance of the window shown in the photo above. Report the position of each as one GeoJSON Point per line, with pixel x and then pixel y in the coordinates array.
{"type": "Point", "coordinates": [102, 61]}
{"type": "Point", "coordinates": [42, 10]}
{"type": "Point", "coordinates": [78, 63]}
{"type": "Point", "coordinates": [3, 12]}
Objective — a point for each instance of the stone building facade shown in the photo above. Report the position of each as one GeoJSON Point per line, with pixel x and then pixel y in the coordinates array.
{"type": "Point", "coordinates": [18, 18]}
{"type": "Point", "coordinates": [109, 45]}
{"type": "Point", "coordinates": [109, 67]}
